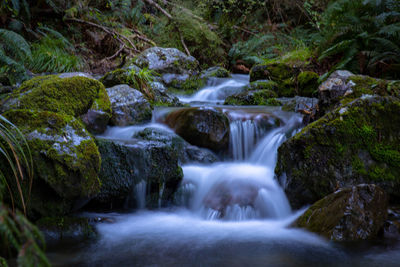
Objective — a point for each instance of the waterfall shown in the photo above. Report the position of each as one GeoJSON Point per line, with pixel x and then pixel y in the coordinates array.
{"type": "Point", "coordinates": [245, 189]}
{"type": "Point", "coordinates": [243, 138]}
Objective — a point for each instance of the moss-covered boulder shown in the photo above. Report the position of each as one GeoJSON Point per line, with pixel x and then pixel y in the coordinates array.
{"type": "Point", "coordinates": [66, 160]}
{"type": "Point", "coordinates": [215, 72]}
{"type": "Point", "coordinates": [204, 127]}
{"type": "Point", "coordinates": [166, 60]}
{"type": "Point", "coordinates": [72, 96]}
{"type": "Point", "coordinates": [126, 165]}
{"type": "Point", "coordinates": [258, 97]}
{"type": "Point", "coordinates": [356, 143]}
{"type": "Point", "coordinates": [349, 214]}
{"type": "Point", "coordinates": [129, 106]}
{"type": "Point", "coordinates": [307, 82]}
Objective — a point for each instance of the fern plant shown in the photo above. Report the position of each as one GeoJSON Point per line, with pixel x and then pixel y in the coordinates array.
{"type": "Point", "coordinates": [18, 237]}
{"type": "Point", "coordinates": [54, 53]}
{"type": "Point", "coordinates": [15, 52]}
{"type": "Point", "coordinates": [364, 34]}
{"type": "Point", "coordinates": [141, 80]}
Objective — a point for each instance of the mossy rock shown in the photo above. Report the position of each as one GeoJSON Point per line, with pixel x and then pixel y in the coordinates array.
{"type": "Point", "coordinates": [204, 127]}
{"type": "Point", "coordinates": [216, 72]}
{"type": "Point", "coordinates": [307, 83]}
{"type": "Point", "coordinates": [275, 72]}
{"type": "Point", "coordinates": [188, 85]}
{"type": "Point", "coordinates": [356, 143]}
{"type": "Point", "coordinates": [259, 97]}
{"type": "Point", "coordinates": [349, 214]}
{"type": "Point", "coordinates": [166, 60]}
{"type": "Point", "coordinates": [72, 96]}
{"type": "Point", "coordinates": [115, 77]}
{"type": "Point", "coordinates": [283, 75]}
{"type": "Point", "coordinates": [263, 85]}
{"type": "Point", "coordinates": [125, 164]}
{"type": "Point", "coordinates": [343, 87]}
{"type": "Point", "coordinates": [66, 160]}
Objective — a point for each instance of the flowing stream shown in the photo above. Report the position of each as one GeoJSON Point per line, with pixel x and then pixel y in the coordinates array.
{"type": "Point", "coordinates": [230, 213]}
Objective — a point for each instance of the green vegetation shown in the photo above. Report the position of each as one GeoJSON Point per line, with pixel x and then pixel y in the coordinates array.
{"type": "Point", "coordinates": [18, 237]}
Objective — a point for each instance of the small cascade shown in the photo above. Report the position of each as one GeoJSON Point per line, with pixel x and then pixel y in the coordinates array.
{"type": "Point", "coordinates": [243, 138]}
{"type": "Point", "coordinates": [236, 191]}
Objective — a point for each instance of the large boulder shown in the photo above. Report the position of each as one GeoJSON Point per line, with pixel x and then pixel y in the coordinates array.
{"type": "Point", "coordinates": [354, 144]}
{"type": "Point", "coordinates": [167, 60]}
{"type": "Point", "coordinates": [349, 214]}
{"type": "Point", "coordinates": [129, 106]}
{"type": "Point", "coordinates": [204, 127]}
{"type": "Point", "coordinates": [66, 160]}
{"type": "Point", "coordinates": [128, 164]}
{"type": "Point", "coordinates": [73, 94]}
{"type": "Point", "coordinates": [289, 80]}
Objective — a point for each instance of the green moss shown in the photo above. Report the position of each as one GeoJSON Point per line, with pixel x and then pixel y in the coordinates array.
{"type": "Point", "coordinates": [307, 82]}
{"type": "Point", "coordinates": [262, 85]}
{"type": "Point", "coordinates": [189, 86]}
{"type": "Point", "coordinates": [102, 102]}
{"type": "Point", "coordinates": [115, 77]}
{"type": "Point", "coordinates": [72, 96]}
{"type": "Point", "coordinates": [260, 97]}
{"type": "Point", "coordinates": [65, 155]}
{"type": "Point", "coordinates": [361, 136]}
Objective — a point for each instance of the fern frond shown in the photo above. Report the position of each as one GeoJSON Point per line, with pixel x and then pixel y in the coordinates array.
{"type": "Point", "coordinates": [15, 45]}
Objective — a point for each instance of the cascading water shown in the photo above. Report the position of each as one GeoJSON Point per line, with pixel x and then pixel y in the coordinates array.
{"type": "Point", "coordinates": [231, 213]}
{"type": "Point", "coordinates": [244, 189]}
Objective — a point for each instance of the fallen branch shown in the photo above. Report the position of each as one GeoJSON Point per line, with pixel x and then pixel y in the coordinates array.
{"type": "Point", "coordinates": [112, 32]}
{"type": "Point", "coordinates": [184, 45]}
{"type": "Point", "coordinates": [115, 55]}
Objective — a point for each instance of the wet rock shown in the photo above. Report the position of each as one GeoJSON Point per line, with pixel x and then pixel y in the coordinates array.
{"type": "Point", "coordinates": [126, 164]}
{"type": "Point", "coordinates": [167, 60]}
{"type": "Point", "coordinates": [217, 71]}
{"type": "Point", "coordinates": [66, 160]}
{"type": "Point", "coordinates": [161, 96]}
{"type": "Point", "coordinates": [186, 153]}
{"type": "Point", "coordinates": [204, 127]}
{"type": "Point", "coordinates": [343, 86]}
{"type": "Point", "coordinates": [129, 106]}
{"type": "Point", "coordinates": [355, 213]}
{"type": "Point", "coordinates": [356, 143]}
{"type": "Point", "coordinates": [298, 103]}
{"type": "Point", "coordinates": [66, 229]}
